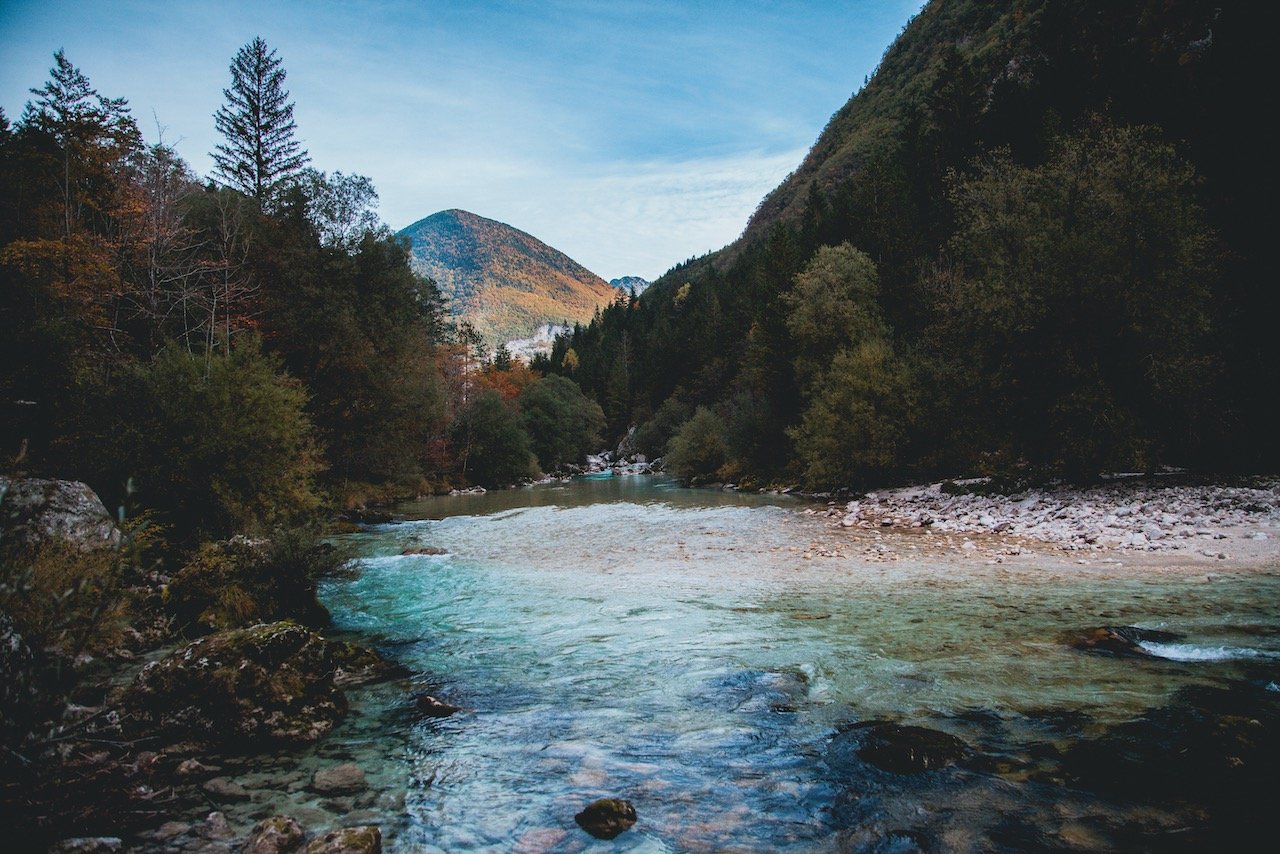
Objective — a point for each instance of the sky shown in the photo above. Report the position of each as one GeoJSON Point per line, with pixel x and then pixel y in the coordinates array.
{"type": "Point", "coordinates": [631, 135]}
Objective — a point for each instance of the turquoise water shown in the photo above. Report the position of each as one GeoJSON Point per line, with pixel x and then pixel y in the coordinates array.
{"type": "Point", "coordinates": [624, 637]}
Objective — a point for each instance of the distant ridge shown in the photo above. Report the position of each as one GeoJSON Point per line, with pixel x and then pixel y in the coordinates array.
{"type": "Point", "coordinates": [630, 283]}
{"type": "Point", "coordinates": [505, 282]}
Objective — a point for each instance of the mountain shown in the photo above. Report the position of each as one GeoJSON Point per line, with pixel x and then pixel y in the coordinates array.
{"type": "Point", "coordinates": [1160, 94]}
{"type": "Point", "coordinates": [505, 282]}
{"type": "Point", "coordinates": [630, 283]}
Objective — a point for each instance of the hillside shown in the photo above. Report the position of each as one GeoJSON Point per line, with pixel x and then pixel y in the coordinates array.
{"type": "Point", "coordinates": [1145, 108]}
{"type": "Point", "coordinates": [505, 282]}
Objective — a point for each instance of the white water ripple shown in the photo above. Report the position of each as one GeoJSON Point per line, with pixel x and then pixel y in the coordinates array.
{"type": "Point", "coordinates": [1203, 652]}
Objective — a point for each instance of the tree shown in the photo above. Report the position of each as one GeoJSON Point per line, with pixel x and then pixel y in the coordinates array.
{"type": "Point", "coordinates": [261, 150]}
{"type": "Point", "coordinates": [564, 425]}
{"type": "Point", "coordinates": [1079, 302]}
{"type": "Point", "coordinates": [491, 442]}
{"type": "Point", "coordinates": [341, 208]}
{"type": "Point", "coordinates": [214, 449]}
{"type": "Point", "coordinates": [92, 139]}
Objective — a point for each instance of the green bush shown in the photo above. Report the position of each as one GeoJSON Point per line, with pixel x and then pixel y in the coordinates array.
{"type": "Point", "coordinates": [697, 450]}
{"type": "Point", "coordinates": [564, 426]}
{"type": "Point", "coordinates": [216, 445]}
{"type": "Point", "coordinates": [242, 581]}
{"type": "Point", "coordinates": [490, 442]}
{"type": "Point", "coordinates": [653, 435]}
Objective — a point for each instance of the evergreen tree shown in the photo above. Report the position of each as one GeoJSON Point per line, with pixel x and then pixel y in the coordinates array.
{"type": "Point", "coordinates": [261, 150]}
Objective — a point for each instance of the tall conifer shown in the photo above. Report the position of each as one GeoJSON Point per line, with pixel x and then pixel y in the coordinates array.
{"type": "Point", "coordinates": [261, 149]}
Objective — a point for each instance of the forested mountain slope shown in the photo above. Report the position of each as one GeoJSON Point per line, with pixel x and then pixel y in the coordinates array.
{"type": "Point", "coordinates": [1060, 205]}
{"type": "Point", "coordinates": [505, 282]}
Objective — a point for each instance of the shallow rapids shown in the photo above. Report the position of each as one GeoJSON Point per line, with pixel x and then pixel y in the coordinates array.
{"type": "Point", "coordinates": [686, 650]}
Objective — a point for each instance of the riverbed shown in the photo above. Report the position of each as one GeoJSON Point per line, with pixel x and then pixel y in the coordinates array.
{"type": "Point", "coordinates": [717, 659]}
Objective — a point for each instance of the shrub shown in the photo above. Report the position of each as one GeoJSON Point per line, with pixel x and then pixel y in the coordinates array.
{"type": "Point", "coordinates": [653, 435]}
{"type": "Point", "coordinates": [216, 444]}
{"type": "Point", "coordinates": [242, 581]}
{"type": "Point", "coordinates": [697, 451]}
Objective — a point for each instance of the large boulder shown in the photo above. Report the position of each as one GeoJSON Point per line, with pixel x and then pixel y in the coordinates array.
{"type": "Point", "coordinates": [260, 686]}
{"type": "Point", "coordinates": [36, 512]}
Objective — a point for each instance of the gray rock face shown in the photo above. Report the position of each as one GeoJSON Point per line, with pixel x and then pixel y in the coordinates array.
{"type": "Point", "coordinates": [35, 512]}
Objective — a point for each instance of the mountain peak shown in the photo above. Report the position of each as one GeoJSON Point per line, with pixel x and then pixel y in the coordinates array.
{"type": "Point", "coordinates": [504, 281]}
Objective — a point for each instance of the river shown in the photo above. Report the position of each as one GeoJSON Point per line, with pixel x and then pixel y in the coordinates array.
{"type": "Point", "coordinates": [713, 658]}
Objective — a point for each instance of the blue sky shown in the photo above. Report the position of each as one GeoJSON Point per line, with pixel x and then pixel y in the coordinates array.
{"type": "Point", "coordinates": [631, 135]}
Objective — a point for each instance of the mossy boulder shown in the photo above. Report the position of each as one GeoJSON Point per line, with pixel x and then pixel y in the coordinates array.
{"type": "Point", "coordinates": [275, 835]}
{"type": "Point", "coordinates": [260, 686]}
{"type": "Point", "coordinates": [366, 839]}
{"type": "Point", "coordinates": [243, 581]}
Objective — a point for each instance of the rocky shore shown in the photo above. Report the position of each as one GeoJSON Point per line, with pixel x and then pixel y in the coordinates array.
{"type": "Point", "coordinates": [1126, 514]}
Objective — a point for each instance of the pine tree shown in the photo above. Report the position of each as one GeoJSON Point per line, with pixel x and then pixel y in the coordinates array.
{"type": "Point", "coordinates": [261, 150]}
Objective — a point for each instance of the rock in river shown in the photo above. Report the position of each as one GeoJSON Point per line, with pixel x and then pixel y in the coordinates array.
{"type": "Point", "coordinates": [264, 685]}
{"type": "Point", "coordinates": [1124, 641]}
{"type": "Point", "coordinates": [433, 708]}
{"type": "Point", "coordinates": [341, 779]}
{"type": "Point", "coordinates": [275, 835]}
{"type": "Point", "coordinates": [910, 749]}
{"type": "Point", "coordinates": [366, 839]}
{"type": "Point", "coordinates": [607, 817]}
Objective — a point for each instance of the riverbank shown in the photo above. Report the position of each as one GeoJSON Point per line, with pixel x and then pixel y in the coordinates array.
{"type": "Point", "coordinates": [1127, 520]}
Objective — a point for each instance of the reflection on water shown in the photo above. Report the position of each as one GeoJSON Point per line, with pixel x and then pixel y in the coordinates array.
{"type": "Point", "coordinates": [624, 637]}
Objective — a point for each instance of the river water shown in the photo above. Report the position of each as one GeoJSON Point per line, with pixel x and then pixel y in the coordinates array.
{"type": "Point", "coordinates": [714, 658]}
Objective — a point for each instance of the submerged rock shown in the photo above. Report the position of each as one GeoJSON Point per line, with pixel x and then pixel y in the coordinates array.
{"type": "Point", "coordinates": [275, 835]}
{"type": "Point", "coordinates": [433, 708]}
{"type": "Point", "coordinates": [366, 839]}
{"type": "Point", "coordinates": [423, 550]}
{"type": "Point", "coordinates": [35, 512]}
{"type": "Point", "coordinates": [607, 817]}
{"type": "Point", "coordinates": [88, 845]}
{"type": "Point", "coordinates": [225, 790]}
{"type": "Point", "coordinates": [264, 685]}
{"type": "Point", "coordinates": [356, 665]}
{"type": "Point", "coordinates": [1124, 641]}
{"type": "Point", "coordinates": [343, 779]}
{"type": "Point", "coordinates": [910, 749]}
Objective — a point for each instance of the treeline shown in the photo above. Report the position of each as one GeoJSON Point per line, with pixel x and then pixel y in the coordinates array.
{"type": "Point", "coordinates": [232, 353]}
{"type": "Point", "coordinates": [1030, 245]}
